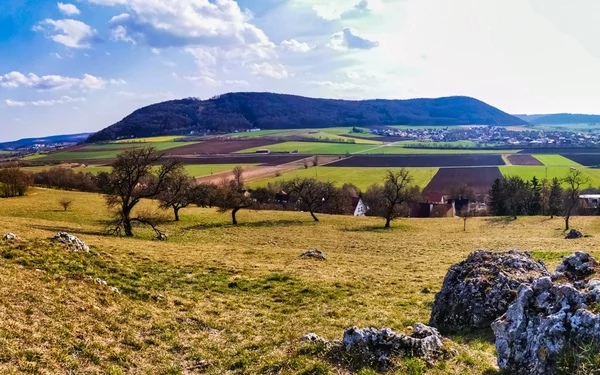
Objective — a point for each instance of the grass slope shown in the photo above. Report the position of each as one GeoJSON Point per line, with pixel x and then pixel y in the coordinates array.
{"type": "Point", "coordinates": [236, 297]}
{"type": "Point", "coordinates": [361, 177]}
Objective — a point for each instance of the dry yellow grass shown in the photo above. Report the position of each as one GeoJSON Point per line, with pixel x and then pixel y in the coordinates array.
{"type": "Point", "coordinates": [237, 297]}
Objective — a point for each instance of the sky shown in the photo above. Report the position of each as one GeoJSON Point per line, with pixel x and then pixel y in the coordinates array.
{"type": "Point", "coordinates": [82, 65]}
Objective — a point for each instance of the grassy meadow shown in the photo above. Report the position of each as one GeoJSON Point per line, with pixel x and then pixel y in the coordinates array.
{"type": "Point", "coordinates": [109, 150]}
{"type": "Point", "coordinates": [361, 177]}
{"type": "Point", "coordinates": [219, 299]}
{"type": "Point", "coordinates": [528, 172]}
{"type": "Point", "coordinates": [340, 133]}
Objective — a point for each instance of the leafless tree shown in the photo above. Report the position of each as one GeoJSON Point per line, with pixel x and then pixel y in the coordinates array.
{"type": "Point", "coordinates": [310, 195]}
{"type": "Point", "coordinates": [14, 182]}
{"type": "Point", "coordinates": [231, 196]}
{"type": "Point", "coordinates": [178, 193]}
{"type": "Point", "coordinates": [132, 179]}
{"type": "Point", "coordinates": [574, 181]}
{"type": "Point", "coordinates": [315, 161]}
{"type": "Point", "coordinates": [238, 176]}
{"type": "Point", "coordinates": [65, 203]}
{"type": "Point", "coordinates": [386, 201]}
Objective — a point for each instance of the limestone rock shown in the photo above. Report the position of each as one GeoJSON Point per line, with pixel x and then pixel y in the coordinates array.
{"type": "Point", "coordinates": [577, 267]}
{"type": "Point", "coordinates": [316, 254]}
{"type": "Point", "coordinates": [9, 237]}
{"type": "Point", "coordinates": [72, 242]}
{"type": "Point", "coordinates": [377, 346]}
{"type": "Point", "coordinates": [315, 339]}
{"type": "Point", "coordinates": [573, 234]}
{"type": "Point", "coordinates": [479, 289]}
{"type": "Point", "coordinates": [544, 319]}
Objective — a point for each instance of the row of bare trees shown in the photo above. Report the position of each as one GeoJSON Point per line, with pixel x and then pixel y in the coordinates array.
{"type": "Point", "coordinates": [14, 182]}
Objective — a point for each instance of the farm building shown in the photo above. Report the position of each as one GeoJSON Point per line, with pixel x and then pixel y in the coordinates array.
{"type": "Point", "coordinates": [359, 207]}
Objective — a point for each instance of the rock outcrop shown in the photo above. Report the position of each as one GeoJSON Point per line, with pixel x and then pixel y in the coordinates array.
{"type": "Point", "coordinates": [479, 289]}
{"type": "Point", "coordinates": [315, 254]}
{"type": "Point", "coordinates": [378, 346]}
{"type": "Point", "coordinates": [9, 237]}
{"type": "Point", "coordinates": [573, 234]}
{"type": "Point", "coordinates": [577, 267]}
{"type": "Point", "coordinates": [545, 319]}
{"type": "Point", "coordinates": [72, 242]}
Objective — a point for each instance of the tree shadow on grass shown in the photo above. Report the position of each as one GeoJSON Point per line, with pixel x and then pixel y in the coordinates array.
{"type": "Point", "coordinates": [473, 335]}
{"type": "Point", "coordinates": [254, 224]}
{"type": "Point", "coordinates": [376, 229]}
{"type": "Point", "coordinates": [68, 229]}
{"type": "Point", "coordinates": [503, 220]}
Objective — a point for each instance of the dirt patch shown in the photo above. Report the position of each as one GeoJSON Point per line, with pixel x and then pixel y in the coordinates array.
{"type": "Point", "coordinates": [529, 160]}
{"type": "Point", "coordinates": [391, 161]}
{"type": "Point", "coordinates": [220, 147]}
{"type": "Point", "coordinates": [479, 179]}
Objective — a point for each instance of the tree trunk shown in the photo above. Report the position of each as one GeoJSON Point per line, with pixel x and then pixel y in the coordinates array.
{"type": "Point", "coordinates": [176, 212]}
{"type": "Point", "coordinates": [127, 227]}
{"type": "Point", "coordinates": [313, 216]}
{"type": "Point", "coordinates": [464, 225]}
{"type": "Point", "coordinates": [233, 219]}
{"type": "Point", "coordinates": [387, 222]}
{"type": "Point", "coordinates": [567, 222]}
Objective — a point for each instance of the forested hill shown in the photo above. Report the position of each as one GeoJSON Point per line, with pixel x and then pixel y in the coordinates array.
{"type": "Point", "coordinates": [560, 119]}
{"type": "Point", "coordinates": [277, 111]}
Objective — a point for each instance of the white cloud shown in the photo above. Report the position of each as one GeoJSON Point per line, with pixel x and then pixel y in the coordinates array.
{"type": "Point", "coordinates": [339, 86]}
{"type": "Point", "coordinates": [13, 103]}
{"type": "Point", "coordinates": [210, 81]}
{"type": "Point", "coordinates": [269, 70]}
{"type": "Point", "coordinates": [69, 32]}
{"type": "Point", "coordinates": [68, 9]}
{"type": "Point", "coordinates": [331, 10]}
{"type": "Point", "coordinates": [295, 46]}
{"type": "Point", "coordinates": [119, 34]}
{"type": "Point", "coordinates": [348, 39]}
{"type": "Point", "coordinates": [55, 82]}
{"type": "Point", "coordinates": [44, 103]}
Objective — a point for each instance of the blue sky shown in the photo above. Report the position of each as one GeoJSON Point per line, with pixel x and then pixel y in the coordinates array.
{"type": "Point", "coordinates": [81, 65]}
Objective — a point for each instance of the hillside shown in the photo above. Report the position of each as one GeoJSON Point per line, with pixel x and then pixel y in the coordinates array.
{"type": "Point", "coordinates": [277, 111]}
{"type": "Point", "coordinates": [45, 141]}
{"type": "Point", "coordinates": [560, 119]}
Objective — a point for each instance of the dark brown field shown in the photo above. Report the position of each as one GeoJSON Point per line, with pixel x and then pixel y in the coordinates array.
{"type": "Point", "coordinates": [588, 160]}
{"type": "Point", "coordinates": [398, 161]}
{"type": "Point", "coordinates": [524, 160]}
{"type": "Point", "coordinates": [478, 179]}
{"type": "Point", "coordinates": [220, 147]}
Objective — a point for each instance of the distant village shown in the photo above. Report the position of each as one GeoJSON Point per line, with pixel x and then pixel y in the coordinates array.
{"type": "Point", "coordinates": [493, 135]}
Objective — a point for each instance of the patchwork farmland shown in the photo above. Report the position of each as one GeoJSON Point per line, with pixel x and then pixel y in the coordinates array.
{"type": "Point", "coordinates": [343, 155]}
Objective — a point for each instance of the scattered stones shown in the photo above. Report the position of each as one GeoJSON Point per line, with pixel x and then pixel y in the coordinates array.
{"type": "Point", "coordinates": [425, 291]}
{"type": "Point", "coordinates": [162, 237]}
{"type": "Point", "coordinates": [72, 242]}
{"type": "Point", "coordinates": [315, 339]}
{"type": "Point", "coordinates": [9, 237]}
{"type": "Point", "coordinates": [377, 346]}
{"type": "Point", "coordinates": [315, 254]}
{"type": "Point", "coordinates": [479, 289]}
{"type": "Point", "coordinates": [100, 281]}
{"type": "Point", "coordinates": [573, 234]}
{"type": "Point", "coordinates": [577, 267]}
{"type": "Point", "coordinates": [114, 289]}
{"type": "Point", "coordinates": [545, 319]}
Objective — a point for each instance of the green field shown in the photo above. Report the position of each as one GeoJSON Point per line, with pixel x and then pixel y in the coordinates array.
{"type": "Point", "coordinates": [361, 177]}
{"type": "Point", "coordinates": [556, 161]}
{"type": "Point", "coordinates": [166, 138]}
{"type": "Point", "coordinates": [343, 133]}
{"type": "Point", "coordinates": [110, 150]}
{"type": "Point", "coordinates": [528, 172]}
{"type": "Point", "coordinates": [208, 169]}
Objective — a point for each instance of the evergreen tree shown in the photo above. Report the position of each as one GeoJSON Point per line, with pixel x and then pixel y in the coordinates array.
{"type": "Point", "coordinates": [545, 195]}
{"type": "Point", "coordinates": [498, 198]}
{"type": "Point", "coordinates": [534, 204]}
{"type": "Point", "coordinates": [555, 200]}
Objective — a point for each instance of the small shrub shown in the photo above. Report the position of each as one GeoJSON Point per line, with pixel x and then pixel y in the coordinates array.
{"type": "Point", "coordinates": [66, 203]}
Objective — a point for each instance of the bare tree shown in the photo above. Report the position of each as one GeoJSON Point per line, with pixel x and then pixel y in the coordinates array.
{"type": "Point", "coordinates": [315, 161]}
{"type": "Point", "coordinates": [231, 196]}
{"type": "Point", "coordinates": [65, 203]}
{"type": "Point", "coordinates": [132, 179]}
{"type": "Point", "coordinates": [574, 181]}
{"type": "Point", "coordinates": [386, 201]}
{"type": "Point", "coordinates": [238, 176]}
{"type": "Point", "coordinates": [178, 193]}
{"type": "Point", "coordinates": [14, 182]}
{"type": "Point", "coordinates": [310, 195]}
